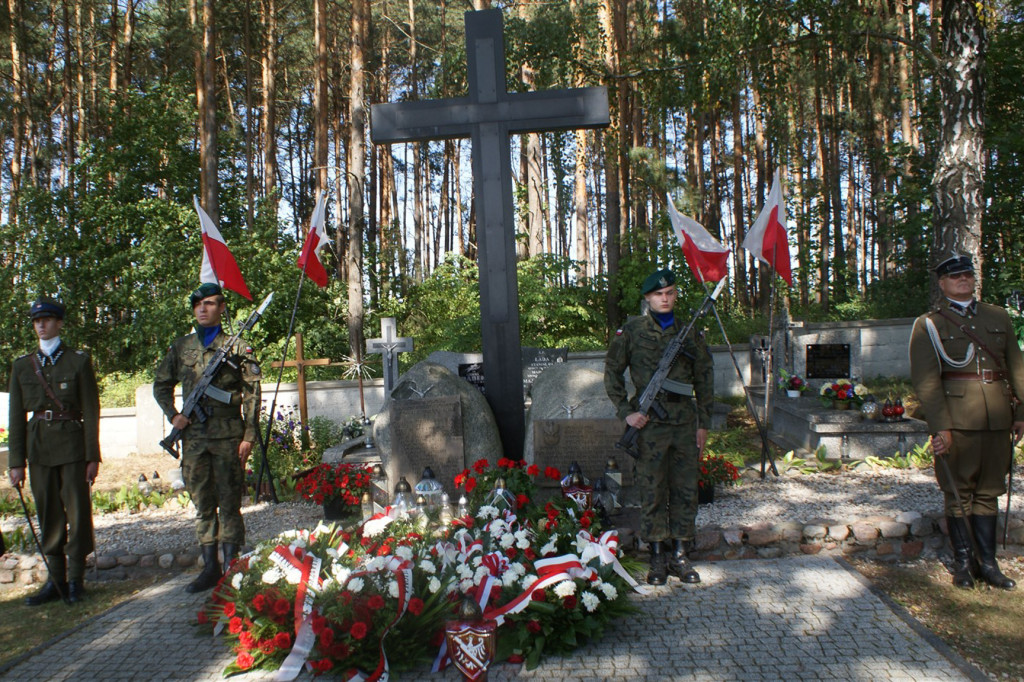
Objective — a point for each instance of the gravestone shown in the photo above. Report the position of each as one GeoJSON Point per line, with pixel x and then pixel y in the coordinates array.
{"type": "Point", "coordinates": [409, 415]}
{"type": "Point", "coordinates": [488, 115]}
{"type": "Point", "coordinates": [828, 360]}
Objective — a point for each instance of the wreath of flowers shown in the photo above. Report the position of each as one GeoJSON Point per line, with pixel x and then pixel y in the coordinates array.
{"type": "Point", "coordinates": [843, 389]}
{"type": "Point", "coordinates": [544, 572]}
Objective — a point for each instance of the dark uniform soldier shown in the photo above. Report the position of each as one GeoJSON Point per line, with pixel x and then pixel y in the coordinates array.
{"type": "Point", "coordinates": [61, 444]}
{"type": "Point", "coordinates": [965, 364]}
{"type": "Point", "coordinates": [670, 448]}
{"type": "Point", "coordinates": [214, 451]}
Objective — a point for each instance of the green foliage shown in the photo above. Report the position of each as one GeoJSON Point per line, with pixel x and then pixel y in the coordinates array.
{"type": "Point", "coordinates": [117, 389]}
{"type": "Point", "coordinates": [824, 464]}
{"type": "Point", "coordinates": [128, 497]}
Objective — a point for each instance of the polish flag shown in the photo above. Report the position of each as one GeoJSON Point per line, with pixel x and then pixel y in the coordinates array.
{"type": "Point", "coordinates": [316, 238]}
{"type": "Point", "coordinates": [219, 266]}
{"type": "Point", "coordinates": [707, 258]}
{"type": "Point", "coordinates": [767, 239]}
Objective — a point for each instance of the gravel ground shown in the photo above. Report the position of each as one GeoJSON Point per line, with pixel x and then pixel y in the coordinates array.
{"type": "Point", "coordinates": [842, 497]}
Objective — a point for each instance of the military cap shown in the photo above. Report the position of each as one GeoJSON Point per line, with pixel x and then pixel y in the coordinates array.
{"type": "Point", "coordinates": [205, 290]}
{"type": "Point", "coordinates": [45, 306]}
{"type": "Point", "coordinates": [658, 280]}
{"type": "Point", "coordinates": [955, 264]}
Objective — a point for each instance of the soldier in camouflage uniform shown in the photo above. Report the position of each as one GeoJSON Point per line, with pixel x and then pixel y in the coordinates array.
{"type": "Point", "coordinates": [965, 365]}
{"type": "Point", "coordinates": [61, 445]}
{"type": "Point", "coordinates": [670, 449]}
{"type": "Point", "coordinates": [214, 452]}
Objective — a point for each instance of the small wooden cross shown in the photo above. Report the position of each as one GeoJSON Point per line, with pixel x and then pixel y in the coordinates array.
{"type": "Point", "coordinates": [301, 363]}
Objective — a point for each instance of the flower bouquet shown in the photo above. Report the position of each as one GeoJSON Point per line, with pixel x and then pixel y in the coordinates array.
{"type": "Point", "coordinates": [842, 394]}
{"type": "Point", "coordinates": [715, 469]}
{"type": "Point", "coordinates": [338, 487]}
{"type": "Point", "coordinates": [546, 575]}
{"type": "Point", "coordinates": [792, 384]}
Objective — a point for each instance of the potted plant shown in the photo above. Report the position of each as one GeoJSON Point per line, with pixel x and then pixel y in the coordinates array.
{"type": "Point", "coordinates": [714, 469]}
{"type": "Point", "coordinates": [792, 384]}
{"type": "Point", "coordinates": [338, 487]}
{"type": "Point", "coordinates": [842, 394]}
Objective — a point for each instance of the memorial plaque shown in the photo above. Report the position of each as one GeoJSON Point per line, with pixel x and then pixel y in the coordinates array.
{"type": "Point", "coordinates": [560, 442]}
{"type": "Point", "coordinates": [427, 432]}
{"type": "Point", "coordinates": [828, 360]}
{"type": "Point", "coordinates": [536, 360]}
{"type": "Point", "coordinates": [473, 372]}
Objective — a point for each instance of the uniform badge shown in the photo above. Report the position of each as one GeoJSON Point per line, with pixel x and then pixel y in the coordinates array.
{"type": "Point", "coordinates": [63, 385]}
{"type": "Point", "coordinates": [254, 368]}
{"type": "Point", "coordinates": [618, 332]}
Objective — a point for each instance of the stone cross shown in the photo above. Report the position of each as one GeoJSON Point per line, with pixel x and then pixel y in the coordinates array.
{"type": "Point", "coordinates": [300, 364]}
{"type": "Point", "coordinates": [488, 115]}
{"type": "Point", "coordinates": [388, 347]}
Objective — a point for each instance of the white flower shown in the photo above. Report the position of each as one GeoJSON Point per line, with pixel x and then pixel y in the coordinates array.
{"type": "Point", "coordinates": [550, 548]}
{"type": "Point", "coordinates": [405, 552]}
{"type": "Point", "coordinates": [393, 588]}
{"type": "Point", "coordinates": [514, 572]}
{"type": "Point", "coordinates": [452, 587]}
{"type": "Point", "coordinates": [355, 585]}
{"type": "Point", "coordinates": [340, 573]}
{"type": "Point", "coordinates": [331, 552]}
{"type": "Point", "coordinates": [522, 539]}
{"type": "Point", "coordinates": [375, 564]}
{"type": "Point", "coordinates": [487, 512]}
{"type": "Point", "coordinates": [590, 601]}
{"type": "Point", "coordinates": [477, 560]}
{"type": "Point", "coordinates": [466, 584]}
{"type": "Point", "coordinates": [528, 580]}
{"type": "Point", "coordinates": [480, 574]}
{"type": "Point", "coordinates": [427, 566]}
{"type": "Point", "coordinates": [581, 544]}
{"type": "Point", "coordinates": [497, 527]}
{"type": "Point", "coordinates": [296, 543]}
{"type": "Point", "coordinates": [565, 588]}
{"type": "Point", "coordinates": [463, 571]}
{"type": "Point", "coordinates": [375, 527]}
{"type": "Point", "coordinates": [507, 540]}
{"type": "Point", "coordinates": [293, 577]}
{"type": "Point", "coordinates": [272, 575]}
{"type": "Point", "coordinates": [609, 590]}
{"type": "Point", "coordinates": [236, 581]}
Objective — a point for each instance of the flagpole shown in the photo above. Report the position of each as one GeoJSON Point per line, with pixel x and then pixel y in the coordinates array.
{"type": "Point", "coordinates": [768, 360]}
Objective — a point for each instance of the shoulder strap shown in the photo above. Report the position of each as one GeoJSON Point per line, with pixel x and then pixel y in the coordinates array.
{"type": "Point", "coordinates": [974, 337]}
{"type": "Point", "coordinates": [42, 380]}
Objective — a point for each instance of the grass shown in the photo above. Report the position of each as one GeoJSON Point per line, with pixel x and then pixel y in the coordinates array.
{"type": "Point", "coordinates": [984, 625]}
{"type": "Point", "coordinates": [23, 628]}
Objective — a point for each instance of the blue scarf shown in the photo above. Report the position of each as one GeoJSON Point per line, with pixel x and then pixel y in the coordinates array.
{"type": "Point", "coordinates": [666, 320]}
{"type": "Point", "coordinates": [207, 334]}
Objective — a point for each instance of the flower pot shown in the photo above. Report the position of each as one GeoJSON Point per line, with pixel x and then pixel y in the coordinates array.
{"type": "Point", "coordinates": [793, 394]}
{"type": "Point", "coordinates": [335, 509]}
{"type": "Point", "coordinates": [705, 494]}
{"type": "Point", "coordinates": [841, 404]}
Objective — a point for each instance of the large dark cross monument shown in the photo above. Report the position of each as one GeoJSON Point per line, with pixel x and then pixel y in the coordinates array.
{"type": "Point", "coordinates": [488, 115]}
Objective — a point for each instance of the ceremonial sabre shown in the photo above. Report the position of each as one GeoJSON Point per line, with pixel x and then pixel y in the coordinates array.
{"type": "Point", "coordinates": [39, 546]}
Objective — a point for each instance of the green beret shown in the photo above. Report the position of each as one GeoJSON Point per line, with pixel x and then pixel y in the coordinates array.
{"type": "Point", "coordinates": [205, 290]}
{"type": "Point", "coordinates": [658, 280]}
{"type": "Point", "coordinates": [44, 306]}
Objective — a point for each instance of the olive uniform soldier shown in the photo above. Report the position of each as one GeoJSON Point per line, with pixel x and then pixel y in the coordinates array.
{"type": "Point", "coordinates": [966, 365]}
{"type": "Point", "coordinates": [669, 448]}
{"type": "Point", "coordinates": [61, 445]}
{"type": "Point", "coordinates": [214, 451]}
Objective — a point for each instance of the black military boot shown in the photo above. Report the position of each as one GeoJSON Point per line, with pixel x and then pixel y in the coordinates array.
{"type": "Point", "coordinates": [56, 586]}
{"type": "Point", "coordinates": [680, 566]}
{"type": "Point", "coordinates": [210, 575]}
{"type": "Point", "coordinates": [988, 570]}
{"type": "Point", "coordinates": [76, 583]}
{"type": "Point", "coordinates": [230, 551]}
{"type": "Point", "coordinates": [658, 575]}
{"type": "Point", "coordinates": [960, 541]}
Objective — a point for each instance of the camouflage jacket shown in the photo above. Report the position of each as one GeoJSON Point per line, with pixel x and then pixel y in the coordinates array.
{"type": "Point", "coordinates": [54, 442]}
{"type": "Point", "coordinates": [240, 376]}
{"type": "Point", "coordinates": [948, 401]}
{"type": "Point", "coordinates": [638, 346]}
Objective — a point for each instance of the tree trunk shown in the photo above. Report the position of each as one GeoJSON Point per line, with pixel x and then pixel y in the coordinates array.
{"type": "Point", "coordinates": [268, 64]}
{"type": "Point", "coordinates": [206, 104]}
{"type": "Point", "coordinates": [17, 108]}
{"type": "Point", "coordinates": [357, 178]}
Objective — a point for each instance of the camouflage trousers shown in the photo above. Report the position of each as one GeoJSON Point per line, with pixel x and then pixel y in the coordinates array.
{"type": "Point", "coordinates": [666, 478]}
{"type": "Point", "coordinates": [979, 461]}
{"type": "Point", "coordinates": [215, 480]}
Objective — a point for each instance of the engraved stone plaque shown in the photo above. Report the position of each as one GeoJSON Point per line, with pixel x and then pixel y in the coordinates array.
{"type": "Point", "coordinates": [828, 360]}
{"type": "Point", "coordinates": [427, 432]}
{"type": "Point", "coordinates": [560, 442]}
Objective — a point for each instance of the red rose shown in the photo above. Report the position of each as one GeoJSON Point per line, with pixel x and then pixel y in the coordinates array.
{"type": "Point", "coordinates": [480, 466]}
{"type": "Point", "coordinates": [533, 626]}
{"type": "Point", "coordinates": [529, 553]}
{"type": "Point", "coordinates": [585, 521]}
{"type": "Point", "coordinates": [229, 609]}
{"type": "Point", "coordinates": [244, 660]}
{"type": "Point", "coordinates": [259, 602]}
{"type": "Point", "coordinates": [339, 651]}
{"type": "Point", "coordinates": [415, 606]}
{"type": "Point", "coordinates": [552, 472]}
{"type": "Point", "coordinates": [538, 595]}
{"type": "Point", "coordinates": [533, 470]}
{"type": "Point", "coordinates": [470, 484]}
{"type": "Point", "coordinates": [515, 658]}
{"type": "Point", "coordinates": [522, 500]}
{"type": "Point", "coordinates": [282, 640]}
{"type": "Point", "coordinates": [358, 630]}
{"type": "Point", "coordinates": [235, 625]}
{"type": "Point", "coordinates": [318, 624]}
{"type": "Point", "coordinates": [201, 617]}
{"type": "Point", "coordinates": [511, 552]}
{"type": "Point", "coordinates": [569, 602]}
{"type": "Point", "coordinates": [281, 607]}
{"type": "Point", "coordinates": [375, 602]}
{"type": "Point", "coordinates": [323, 665]}
{"type": "Point", "coordinates": [504, 463]}
{"type": "Point", "coordinates": [267, 647]}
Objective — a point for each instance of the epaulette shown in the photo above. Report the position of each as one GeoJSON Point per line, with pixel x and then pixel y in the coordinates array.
{"type": "Point", "coordinates": [81, 352]}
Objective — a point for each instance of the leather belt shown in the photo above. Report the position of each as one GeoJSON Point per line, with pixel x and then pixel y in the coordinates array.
{"type": "Point", "coordinates": [224, 411]}
{"type": "Point", "coordinates": [57, 416]}
{"type": "Point", "coordinates": [986, 376]}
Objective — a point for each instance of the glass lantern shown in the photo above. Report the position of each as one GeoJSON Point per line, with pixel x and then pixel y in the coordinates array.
{"type": "Point", "coordinates": [430, 488]}
{"type": "Point", "coordinates": [403, 500]}
{"type": "Point", "coordinates": [501, 498]}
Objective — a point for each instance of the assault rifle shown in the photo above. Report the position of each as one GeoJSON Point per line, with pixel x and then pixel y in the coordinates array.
{"type": "Point", "coordinates": [660, 382]}
{"type": "Point", "coordinates": [192, 407]}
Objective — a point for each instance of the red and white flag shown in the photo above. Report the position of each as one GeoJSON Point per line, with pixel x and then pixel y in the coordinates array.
{"type": "Point", "coordinates": [219, 266]}
{"type": "Point", "coordinates": [767, 239]}
{"type": "Point", "coordinates": [705, 255]}
{"type": "Point", "coordinates": [316, 238]}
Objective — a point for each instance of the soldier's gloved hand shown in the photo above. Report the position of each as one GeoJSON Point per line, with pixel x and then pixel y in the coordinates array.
{"type": "Point", "coordinates": [17, 476]}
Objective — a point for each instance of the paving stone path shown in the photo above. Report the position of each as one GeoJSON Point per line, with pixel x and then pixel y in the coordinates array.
{"type": "Point", "coordinates": [796, 618]}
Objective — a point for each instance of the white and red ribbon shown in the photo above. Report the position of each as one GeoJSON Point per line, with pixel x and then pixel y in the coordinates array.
{"type": "Point", "coordinates": [605, 549]}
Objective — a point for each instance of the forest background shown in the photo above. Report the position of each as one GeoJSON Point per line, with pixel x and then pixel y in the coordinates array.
{"type": "Point", "coordinates": [895, 123]}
